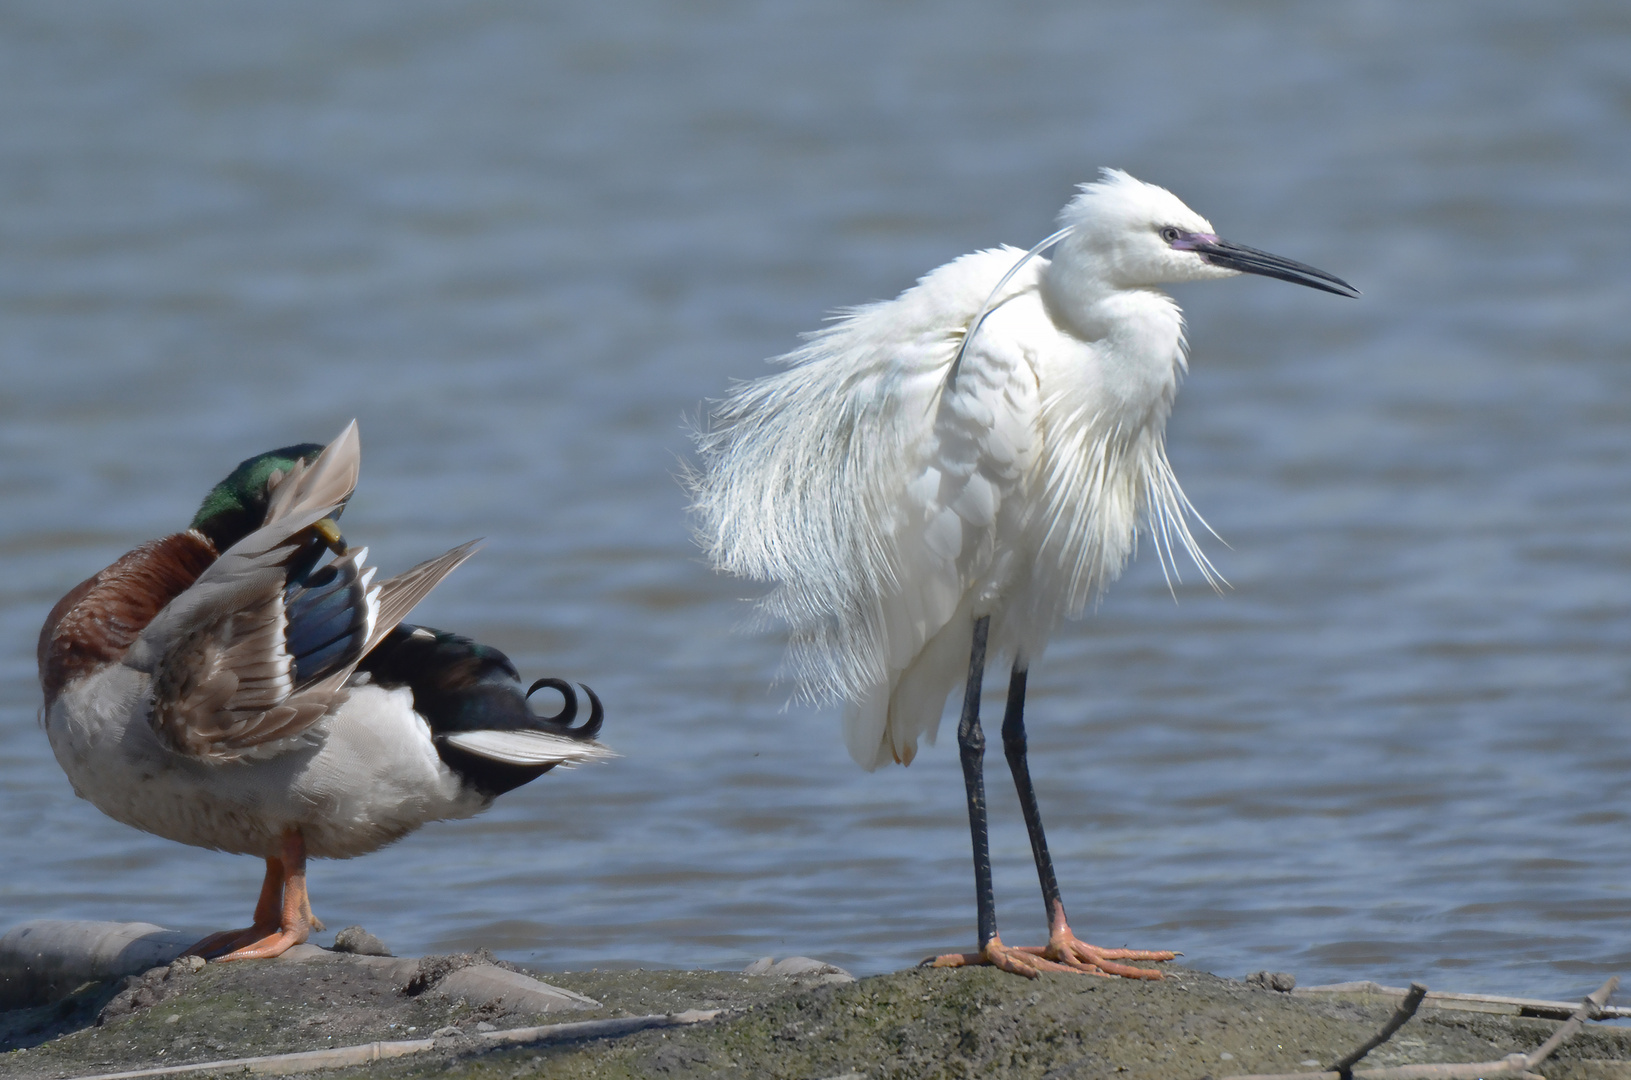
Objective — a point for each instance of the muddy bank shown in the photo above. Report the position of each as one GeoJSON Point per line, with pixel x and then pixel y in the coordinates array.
{"type": "Point", "coordinates": [981, 1023]}
{"type": "Point", "coordinates": [910, 1024]}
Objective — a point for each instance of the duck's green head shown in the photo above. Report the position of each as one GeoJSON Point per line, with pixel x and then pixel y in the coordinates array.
{"type": "Point", "coordinates": [236, 506]}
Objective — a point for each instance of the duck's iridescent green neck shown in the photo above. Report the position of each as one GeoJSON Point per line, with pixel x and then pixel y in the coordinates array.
{"type": "Point", "coordinates": [236, 506]}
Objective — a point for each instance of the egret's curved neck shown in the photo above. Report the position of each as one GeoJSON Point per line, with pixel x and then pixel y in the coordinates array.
{"type": "Point", "coordinates": [1130, 352]}
{"type": "Point", "coordinates": [1073, 289]}
{"type": "Point", "coordinates": [1082, 303]}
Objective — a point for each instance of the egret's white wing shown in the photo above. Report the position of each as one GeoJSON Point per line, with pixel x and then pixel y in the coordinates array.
{"type": "Point", "coordinates": [869, 489]}
{"type": "Point", "coordinates": [959, 543]}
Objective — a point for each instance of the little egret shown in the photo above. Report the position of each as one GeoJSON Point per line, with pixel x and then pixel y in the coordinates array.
{"type": "Point", "coordinates": [945, 474]}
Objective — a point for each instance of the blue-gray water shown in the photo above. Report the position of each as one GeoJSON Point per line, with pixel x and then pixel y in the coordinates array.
{"type": "Point", "coordinates": [521, 244]}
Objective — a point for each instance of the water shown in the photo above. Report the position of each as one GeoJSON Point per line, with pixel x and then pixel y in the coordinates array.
{"type": "Point", "coordinates": [522, 244]}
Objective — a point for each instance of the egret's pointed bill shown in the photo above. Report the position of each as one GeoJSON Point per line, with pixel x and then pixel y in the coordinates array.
{"type": "Point", "coordinates": [1251, 261]}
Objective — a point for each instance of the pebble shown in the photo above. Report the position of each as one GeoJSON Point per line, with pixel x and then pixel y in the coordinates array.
{"type": "Point", "coordinates": [798, 965]}
{"type": "Point", "coordinates": [359, 942]}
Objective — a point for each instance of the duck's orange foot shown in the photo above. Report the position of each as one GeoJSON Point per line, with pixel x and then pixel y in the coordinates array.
{"type": "Point", "coordinates": [283, 917]}
{"type": "Point", "coordinates": [293, 929]}
{"type": "Point", "coordinates": [1065, 948]}
{"type": "Point", "coordinates": [1015, 960]}
{"type": "Point", "coordinates": [274, 944]}
{"type": "Point", "coordinates": [228, 940]}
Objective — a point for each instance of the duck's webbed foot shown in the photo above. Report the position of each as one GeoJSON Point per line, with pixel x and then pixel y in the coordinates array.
{"type": "Point", "coordinates": [283, 917]}
{"type": "Point", "coordinates": [274, 944]}
{"type": "Point", "coordinates": [227, 940]}
{"type": "Point", "coordinates": [268, 911]}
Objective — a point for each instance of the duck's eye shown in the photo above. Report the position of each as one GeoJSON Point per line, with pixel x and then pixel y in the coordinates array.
{"type": "Point", "coordinates": [1171, 233]}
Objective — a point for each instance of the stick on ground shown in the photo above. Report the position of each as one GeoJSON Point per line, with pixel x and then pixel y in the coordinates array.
{"type": "Point", "coordinates": [1519, 1066]}
{"type": "Point", "coordinates": [1589, 1008]}
{"type": "Point", "coordinates": [1407, 1008]}
{"type": "Point", "coordinates": [341, 1057]}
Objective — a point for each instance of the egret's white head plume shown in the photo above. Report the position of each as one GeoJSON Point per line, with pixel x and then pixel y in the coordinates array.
{"type": "Point", "coordinates": [1128, 233]}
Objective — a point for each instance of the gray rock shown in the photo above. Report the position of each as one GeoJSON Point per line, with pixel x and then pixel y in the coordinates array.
{"type": "Point", "coordinates": [138, 992]}
{"type": "Point", "coordinates": [803, 965]}
{"type": "Point", "coordinates": [304, 952]}
{"type": "Point", "coordinates": [800, 966]}
{"type": "Point", "coordinates": [354, 939]}
{"type": "Point", "coordinates": [484, 984]}
{"type": "Point", "coordinates": [1283, 981]}
{"type": "Point", "coordinates": [44, 960]}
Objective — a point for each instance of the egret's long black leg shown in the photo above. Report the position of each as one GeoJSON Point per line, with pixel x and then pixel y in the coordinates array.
{"type": "Point", "coordinates": [1013, 748]}
{"type": "Point", "coordinates": [1063, 946]}
{"type": "Point", "coordinates": [971, 748]}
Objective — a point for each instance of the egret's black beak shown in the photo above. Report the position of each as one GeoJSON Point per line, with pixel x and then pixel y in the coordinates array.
{"type": "Point", "coordinates": [1251, 261]}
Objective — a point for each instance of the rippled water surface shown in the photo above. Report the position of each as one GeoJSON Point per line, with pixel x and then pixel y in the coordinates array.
{"type": "Point", "coordinates": [522, 244]}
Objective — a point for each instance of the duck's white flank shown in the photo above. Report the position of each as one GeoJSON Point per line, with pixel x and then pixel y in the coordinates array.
{"type": "Point", "coordinates": [370, 776]}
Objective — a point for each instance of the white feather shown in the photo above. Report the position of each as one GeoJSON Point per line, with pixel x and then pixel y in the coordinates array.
{"type": "Point", "coordinates": [528, 747]}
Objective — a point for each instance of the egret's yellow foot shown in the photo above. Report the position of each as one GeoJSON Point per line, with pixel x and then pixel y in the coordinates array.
{"type": "Point", "coordinates": [1017, 961]}
{"type": "Point", "coordinates": [1064, 947]}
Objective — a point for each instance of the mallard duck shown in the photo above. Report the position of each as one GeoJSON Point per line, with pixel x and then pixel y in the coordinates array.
{"type": "Point", "coordinates": [235, 687]}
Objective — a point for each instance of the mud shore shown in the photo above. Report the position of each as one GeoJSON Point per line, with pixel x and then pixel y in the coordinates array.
{"type": "Point", "coordinates": [909, 1024]}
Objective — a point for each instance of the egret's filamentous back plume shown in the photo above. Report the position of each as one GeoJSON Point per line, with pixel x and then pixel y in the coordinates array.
{"type": "Point", "coordinates": [950, 472]}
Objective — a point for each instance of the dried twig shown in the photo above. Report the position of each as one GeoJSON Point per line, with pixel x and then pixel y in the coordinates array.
{"type": "Point", "coordinates": [341, 1057]}
{"type": "Point", "coordinates": [1485, 1003]}
{"type": "Point", "coordinates": [1514, 1065]}
{"type": "Point", "coordinates": [1517, 1066]}
{"type": "Point", "coordinates": [1407, 1008]}
{"type": "Point", "coordinates": [1590, 1007]}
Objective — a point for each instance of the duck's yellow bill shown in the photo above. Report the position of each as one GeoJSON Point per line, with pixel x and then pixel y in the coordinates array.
{"type": "Point", "coordinates": [329, 530]}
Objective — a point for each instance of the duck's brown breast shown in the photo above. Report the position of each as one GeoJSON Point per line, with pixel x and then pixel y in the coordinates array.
{"type": "Point", "coordinates": [100, 617]}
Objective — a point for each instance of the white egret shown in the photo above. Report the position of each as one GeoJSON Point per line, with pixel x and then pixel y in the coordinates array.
{"type": "Point", "coordinates": [943, 475]}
